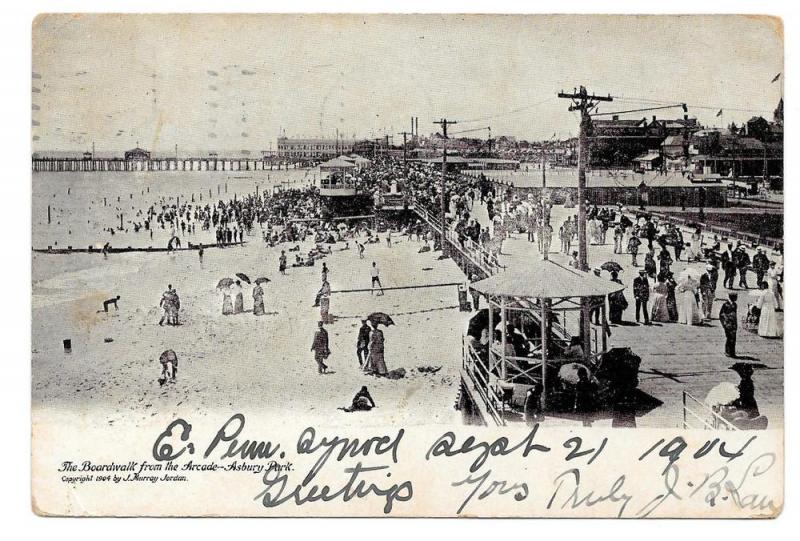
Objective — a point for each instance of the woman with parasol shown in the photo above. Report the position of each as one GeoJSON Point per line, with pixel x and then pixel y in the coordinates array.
{"type": "Point", "coordinates": [224, 285]}
{"type": "Point", "coordinates": [258, 297]}
{"type": "Point", "coordinates": [238, 303]}
{"type": "Point", "coordinates": [376, 363]}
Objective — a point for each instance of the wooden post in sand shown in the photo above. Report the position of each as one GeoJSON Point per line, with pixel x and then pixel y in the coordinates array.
{"type": "Point", "coordinates": [48, 214]}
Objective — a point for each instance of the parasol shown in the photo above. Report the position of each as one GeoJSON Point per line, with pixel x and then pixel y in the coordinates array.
{"type": "Point", "coordinates": [168, 357]}
{"type": "Point", "coordinates": [611, 266]}
{"type": "Point", "coordinates": [262, 280]}
{"type": "Point", "coordinates": [243, 277]}
{"type": "Point", "coordinates": [723, 394]}
{"type": "Point", "coordinates": [224, 283]}
{"type": "Point", "coordinates": [746, 368]}
{"type": "Point", "coordinates": [380, 318]}
{"type": "Point", "coordinates": [569, 372]}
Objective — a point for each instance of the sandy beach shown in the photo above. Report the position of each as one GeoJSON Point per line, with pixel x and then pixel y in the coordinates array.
{"type": "Point", "coordinates": [241, 362]}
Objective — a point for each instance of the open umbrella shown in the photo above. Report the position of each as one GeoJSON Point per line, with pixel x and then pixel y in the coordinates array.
{"type": "Point", "coordinates": [380, 318]}
{"type": "Point", "coordinates": [570, 372]}
{"type": "Point", "coordinates": [722, 394]}
{"type": "Point", "coordinates": [742, 368]}
{"type": "Point", "coordinates": [243, 277]}
{"type": "Point", "coordinates": [168, 357]}
{"type": "Point", "coordinates": [225, 282]}
{"type": "Point", "coordinates": [611, 266]}
{"type": "Point", "coordinates": [262, 280]}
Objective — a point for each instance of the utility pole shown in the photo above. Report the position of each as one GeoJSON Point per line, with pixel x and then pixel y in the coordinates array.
{"type": "Point", "coordinates": [443, 212]}
{"type": "Point", "coordinates": [544, 167]}
{"type": "Point", "coordinates": [490, 140]}
{"type": "Point", "coordinates": [584, 102]}
{"type": "Point", "coordinates": [405, 157]}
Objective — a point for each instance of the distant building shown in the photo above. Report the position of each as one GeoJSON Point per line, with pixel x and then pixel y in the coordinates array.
{"type": "Point", "coordinates": [675, 146]}
{"type": "Point", "coordinates": [618, 142]}
{"type": "Point", "coordinates": [137, 154]}
{"type": "Point", "coordinates": [313, 148]}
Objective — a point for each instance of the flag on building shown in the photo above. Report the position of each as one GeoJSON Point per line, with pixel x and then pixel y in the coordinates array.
{"type": "Point", "coordinates": [719, 113]}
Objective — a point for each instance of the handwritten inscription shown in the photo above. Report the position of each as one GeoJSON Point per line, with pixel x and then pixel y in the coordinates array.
{"type": "Point", "coordinates": [337, 468]}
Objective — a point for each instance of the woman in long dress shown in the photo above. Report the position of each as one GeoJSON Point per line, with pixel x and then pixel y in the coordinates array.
{"type": "Point", "coordinates": [238, 304]}
{"type": "Point", "coordinates": [774, 285]}
{"type": "Point", "coordinates": [693, 248]}
{"type": "Point", "coordinates": [258, 301]}
{"type": "Point", "coordinates": [672, 301]}
{"type": "Point", "coordinates": [227, 305]}
{"type": "Point", "coordinates": [325, 302]}
{"type": "Point", "coordinates": [688, 309]}
{"type": "Point", "coordinates": [660, 313]}
{"type": "Point", "coordinates": [768, 324]}
{"type": "Point", "coordinates": [375, 362]}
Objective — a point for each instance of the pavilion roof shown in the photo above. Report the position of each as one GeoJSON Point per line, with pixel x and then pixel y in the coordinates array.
{"type": "Point", "coordinates": [337, 163]}
{"type": "Point", "coordinates": [545, 280]}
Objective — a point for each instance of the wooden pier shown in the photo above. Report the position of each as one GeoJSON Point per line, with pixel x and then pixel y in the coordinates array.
{"type": "Point", "coordinates": [89, 164]}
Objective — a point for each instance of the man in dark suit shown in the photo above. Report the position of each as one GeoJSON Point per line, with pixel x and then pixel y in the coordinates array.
{"type": "Point", "coordinates": [728, 266]}
{"type": "Point", "coordinates": [362, 346]}
{"type": "Point", "coordinates": [729, 319]}
{"type": "Point", "coordinates": [641, 292]}
{"type": "Point", "coordinates": [742, 263]}
{"type": "Point", "coordinates": [760, 266]}
{"type": "Point", "coordinates": [320, 348]}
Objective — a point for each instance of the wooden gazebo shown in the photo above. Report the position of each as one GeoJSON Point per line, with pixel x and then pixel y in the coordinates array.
{"type": "Point", "coordinates": [531, 298]}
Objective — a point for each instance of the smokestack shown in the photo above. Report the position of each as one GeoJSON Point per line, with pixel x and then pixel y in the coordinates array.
{"type": "Point", "coordinates": [412, 127]}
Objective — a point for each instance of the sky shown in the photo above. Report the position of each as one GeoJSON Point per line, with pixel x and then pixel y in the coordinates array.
{"type": "Point", "coordinates": [235, 82]}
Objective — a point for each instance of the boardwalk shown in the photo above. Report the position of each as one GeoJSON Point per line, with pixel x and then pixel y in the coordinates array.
{"type": "Point", "coordinates": [675, 358]}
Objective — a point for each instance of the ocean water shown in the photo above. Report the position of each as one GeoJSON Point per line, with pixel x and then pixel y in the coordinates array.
{"type": "Point", "coordinates": [83, 205]}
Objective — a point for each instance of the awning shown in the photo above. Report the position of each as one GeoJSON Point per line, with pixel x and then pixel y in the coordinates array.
{"type": "Point", "coordinates": [545, 280]}
{"type": "Point", "coordinates": [337, 163]}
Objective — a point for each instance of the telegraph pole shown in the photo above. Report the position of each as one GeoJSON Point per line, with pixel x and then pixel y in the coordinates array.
{"type": "Point", "coordinates": [544, 167]}
{"type": "Point", "coordinates": [405, 158]}
{"type": "Point", "coordinates": [584, 102]}
{"type": "Point", "coordinates": [443, 212]}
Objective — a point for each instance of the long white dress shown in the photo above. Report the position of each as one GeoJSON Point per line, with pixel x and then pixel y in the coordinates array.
{"type": "Point", "coordinates": [769, 326]}
{"type": "Point", "coordinates": [693, 250]}
{"type": "Point", "coordinates": [772, 281]}
{"type": "Point", "coordinates": [688, 309]}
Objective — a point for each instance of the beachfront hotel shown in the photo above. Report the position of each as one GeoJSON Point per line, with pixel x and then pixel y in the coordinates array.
{"type": "Point", "coordinates": [313, 148]}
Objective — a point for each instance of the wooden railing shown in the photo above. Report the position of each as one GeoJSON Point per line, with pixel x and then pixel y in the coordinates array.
{"type": "Point", "coordinates": [478, 372]}
{"type": "Point", "coordinates": [695, 410]}
{"type": "Point", "coordinates": [474, 252]}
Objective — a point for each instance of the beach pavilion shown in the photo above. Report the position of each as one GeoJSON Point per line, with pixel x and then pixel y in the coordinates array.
{"type": "Point", "coordinates": [536, 300]}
